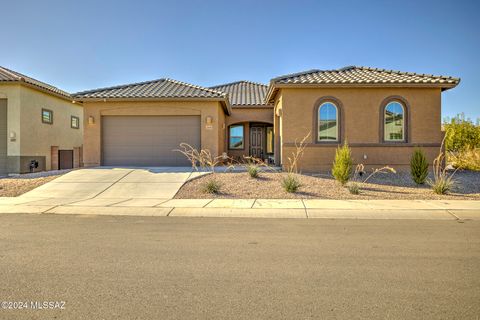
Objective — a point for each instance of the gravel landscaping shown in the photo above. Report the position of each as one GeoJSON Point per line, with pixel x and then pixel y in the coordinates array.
{"type": "Point", "coordinates": [15, 186]}
{"type": "Point", "coordinates": [383, 186]}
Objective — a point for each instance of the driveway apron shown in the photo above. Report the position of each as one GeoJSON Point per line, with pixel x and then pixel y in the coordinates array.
{"type": "Point", "coordinates": [113, 185]}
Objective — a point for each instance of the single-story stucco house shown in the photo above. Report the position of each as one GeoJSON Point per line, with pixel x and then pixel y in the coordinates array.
{"type": "Point", "coordinates": [38, 122]}
{"type": "Point", "coordinates": [383, 114]}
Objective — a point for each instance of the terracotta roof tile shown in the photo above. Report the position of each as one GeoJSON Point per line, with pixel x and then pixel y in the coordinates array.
{"type": "Point", "coordinates": [161, 88]}
{"type": "Point", "coordinates": [359, 76]}
{"type": "Point", "coordinates": [362, 75]}
{"type": "Point", "coordinates": [244, 93]}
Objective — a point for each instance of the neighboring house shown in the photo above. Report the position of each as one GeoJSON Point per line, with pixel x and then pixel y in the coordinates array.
{"type": "Point", "coordinates": [38, 122]}
{"type": "Point", "coordinates": [383, 114]}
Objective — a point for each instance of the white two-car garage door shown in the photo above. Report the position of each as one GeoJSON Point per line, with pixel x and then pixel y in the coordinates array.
{"type": "Point", "coordinates": [148, 140]}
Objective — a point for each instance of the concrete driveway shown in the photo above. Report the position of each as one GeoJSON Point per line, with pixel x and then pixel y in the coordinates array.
{"type": "Point", "coordinates": [106, 184]}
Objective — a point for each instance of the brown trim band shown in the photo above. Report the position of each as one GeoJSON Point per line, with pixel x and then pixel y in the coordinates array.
{"type": "Point", "coordinates": [375, 145]}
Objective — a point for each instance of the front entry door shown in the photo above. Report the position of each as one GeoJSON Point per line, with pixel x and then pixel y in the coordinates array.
{"type": "Point", "coordinates": [257, 142]}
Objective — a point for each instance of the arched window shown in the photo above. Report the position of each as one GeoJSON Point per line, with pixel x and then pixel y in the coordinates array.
{"type": "Point", "coordinates": [327, 122]}
{"type": "Point", "coordinates": [394, 122]}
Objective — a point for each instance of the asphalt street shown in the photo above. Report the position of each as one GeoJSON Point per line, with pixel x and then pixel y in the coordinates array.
{"type": "Point", "coordinates": [123, 267]}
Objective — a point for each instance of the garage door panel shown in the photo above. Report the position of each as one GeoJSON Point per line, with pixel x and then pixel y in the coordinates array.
{"type": "Point", "coordinates": [148, 140]}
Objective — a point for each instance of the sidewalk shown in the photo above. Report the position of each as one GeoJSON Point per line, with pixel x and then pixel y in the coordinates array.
{"type": "Point", "coordinates": [252, 208]}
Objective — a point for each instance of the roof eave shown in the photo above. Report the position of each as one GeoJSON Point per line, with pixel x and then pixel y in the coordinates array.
{"type": "Point", "coordinates": [227, 108]}
{"type": "Point", "coordinates": [452, 86]}
{"type": "Point", "coordinates": [223, 100]}
{"type": "Point", "coordinates": [271, 92]}
{"type": "Point", "coordinates": [38, 88]}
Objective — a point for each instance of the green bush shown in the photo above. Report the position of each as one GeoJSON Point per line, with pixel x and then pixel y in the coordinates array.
{"type": "Point", "coordinates": [461, 134]}
{"type": "Point", "coordinates": [253, 170]}
{"type": "Point", "coordinates": [212, 186]}
{"type": "Point", "coordinates": [342, 165]}
{"type": "Point", "coordinates": [419, 167]}
{"type": "Point", "coordinates": [290, 183]}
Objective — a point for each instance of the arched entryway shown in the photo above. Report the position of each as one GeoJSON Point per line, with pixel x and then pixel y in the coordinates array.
{"type": "Point", "coordinates": [253, 139]}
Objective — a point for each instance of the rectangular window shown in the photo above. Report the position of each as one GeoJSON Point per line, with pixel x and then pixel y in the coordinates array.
{"type": "Point", "coordinates": [235, 140]}
{"type": "Point", "coordinates": [47, 116]}
{"type": "Point", "coordinates": [75, 122]}
{"type": "Point", "coordinates": [270, 140]}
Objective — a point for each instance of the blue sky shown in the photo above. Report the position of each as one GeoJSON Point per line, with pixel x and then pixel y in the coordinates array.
{"type": "Point", "coordinates": [78, 45]}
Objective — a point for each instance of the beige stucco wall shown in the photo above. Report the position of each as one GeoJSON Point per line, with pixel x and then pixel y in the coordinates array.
{"type": "Point", "coordinates": [11, 92]}
{"type": "Point", "coordinates": [250, 114]}
{"type": "Point", "coordinates": [38, 137]}
{"type": "Point", "coordinates": [361, 109]}
{"type": "Point", "coordinates": [33, 137]}
{"type": "Point", "coordinates": [210, 138]}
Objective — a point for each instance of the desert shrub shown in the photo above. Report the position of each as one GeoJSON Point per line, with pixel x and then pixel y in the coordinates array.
{"type": "Point", "coordinates": [253, 170]}
{"type": "Point", "coordinates": [254, 166]}
{"type": "Point", "coordinates": [360, 177]}
{"type": "Point", "coordinates": [202, 159]}
{"type": "Point", "coordinates": [419, 167]}
{"type": "Point", "coordinates": [353, 187]}
{"type": "Point", "coordinates": [292, 166]}
{"type": "Point", "coordinates": [212, 186]}
{"type": "Point", "coordinates": [467, 159]}
{"type": "Point", "coordinates": [342, 165]}
{"type": "Point", "coordinates": [290, 183]}
{"type": "Point", "coordinates": [442, 181]}
{"type": "Point", "coordinates": [442, 185]}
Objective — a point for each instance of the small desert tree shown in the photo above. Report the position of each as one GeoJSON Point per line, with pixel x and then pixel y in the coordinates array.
{"type": "Point", "coordinates": [419, 167]}
{"type": "Point", "coordinates": [204, 160]}
{"type": "Point", "coordinates": [291, 183]}
{"type": "Point", "coordinates": [442, 182]}
{"type": "Point", "coordinates": [342, 165]}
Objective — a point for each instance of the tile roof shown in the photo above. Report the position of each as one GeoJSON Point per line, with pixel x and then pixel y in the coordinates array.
{"type": "Point", "coordinates": [354, 75]}
{"type": "Point", "coordinates": [244, 93]}
{"type": "Point", "coordinates": [161, 88]}
{"type": "Point", "coordinates": [363, 75]}
{"type": "Point", "coordinates": [7, 75]}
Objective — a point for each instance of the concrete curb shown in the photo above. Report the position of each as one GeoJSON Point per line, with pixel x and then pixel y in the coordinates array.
{"type": "Point", "coordinates": [251, 208]}
{"type": "Point", "coordinates": [293, 213]}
